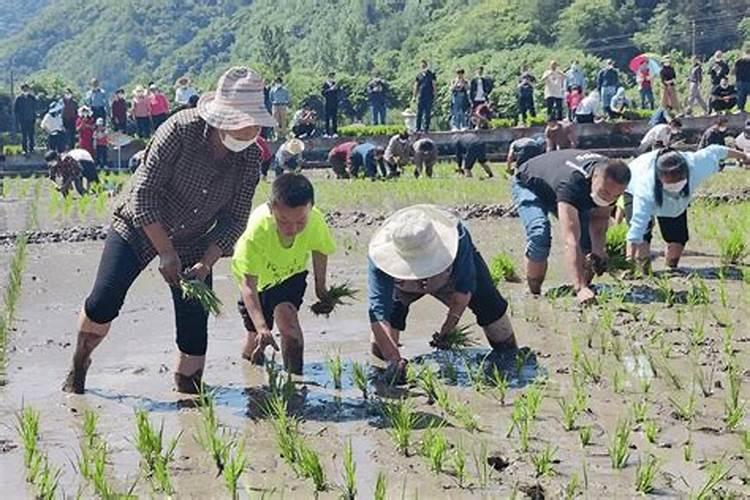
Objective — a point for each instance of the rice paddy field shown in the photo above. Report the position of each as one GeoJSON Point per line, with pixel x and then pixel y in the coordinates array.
{"type": "Point", "coordinates": [643, 394]}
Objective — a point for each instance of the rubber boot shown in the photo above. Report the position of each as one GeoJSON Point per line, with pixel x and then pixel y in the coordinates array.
{"type": "Point", "coordinates": [90, 335]}
{"type": "Point", "coordinates": [188, 375]}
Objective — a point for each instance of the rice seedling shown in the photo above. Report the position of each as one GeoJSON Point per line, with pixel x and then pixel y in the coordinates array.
{"type": "Point", "coordinates": [443, 399]}
{"type": "Point", "coordinates": [47, 479]}
{"type": "Point", "coordinates": [402, 420]}
{"type": "Point", "coordinates": [619, 448]}
{"type": "Point", "coordinates": [502, 269]}
{"type": "Point", "coordinates": [457, 338]}
{"type": "Point", "coordinates": [428, 383]}
{"type": "Point", "coordinates": [84, 206]}
{"type": "Point", "coordinates": [664, 290]}
{"type": "Point", "coordinates": [543, 461]}
{"type": "Point", "coordinates": [337, 295]}
{"type": "Point", "coordinates": [27, 427]}
{"type": "Point", "coordinates": [434, 447]}
{"type": "Point", "coordinates": [156, 454]}
{"type": "Point", "coordinates": [616, 347]}
{"type": "Point", "coordinates": [450, 374]}
{"type": "Point", "coordinates": [570, 412]}
{"type": "Point", "coordinates": [734, 410]}
{"type": "Point", "coordinates": [465, 417]}
{"type": "Point", "coordinates": [645, 475]}
{"type": "Point", "coordinates": [522, 357]}
{"type": "Point", "coordinates": [704, 378]}
{"type": "Point", "coordinates": [210, 436]}
{"type": "Point", "coordinates": [481, 464]}
{"type": "Point", "coordinates": [651, 430]}
{"type": "Point", "coordinates": [697, 333]}
{"type": "Point", "coordinates": [521, 421]}
{"type": "Point", "coordinates": [200, 292]}
{"type": "Point", "coordinates": [572, 488]}
{"type": "Point", "coordinates": [727, 339]}
{"type": "Point", "coordinates": [380, 487]}
{"type": "Point", "coordinates": [349, 476]}
{"type": "Point", "coordinates": [458, 459]}
{"type": "Point", "coordinates": [645, 384]}
{"type": "Point", "coordinates": [590, 368]}
{"type": "Point", "coordinates": [335, 369]}
{"type": "Point", "coordinates": [615, 247]}
{"type": "Point", "coordinates": [100, 204]}
{"type": "Point", "coordinates": [683, 410]}
{"type": "Point", "coordinates": [732, 246]}
{"type": "Point", "coordinates": [687, 449]}
{"type": "Point", "coordinates": [618, 382]}
{"type": "Point", "coordinates": [476, 376]}
{"type": "Point", "coordinates": [672, 377]}
{"type": "Point", "coordinates": [67, 206]}
{"type": "Point", "coordinates": [285, 429]}
{"type": "Point", "coordinates": [640, 409]}
{"type": "Point", "coordinates": [534, 396]}
{"type": "Point", "coordinates": [698, 294]}
{"type": "Point", "coordinates": [500, 384]}
{"type": "Point", "coordinates": [717, 472]}
{"type": "Point", "coordinates": [359, 378]}
{"type": "Point", "coordinates": [310, 467]}
{"type": "Point", "coordinates": [39, 472]}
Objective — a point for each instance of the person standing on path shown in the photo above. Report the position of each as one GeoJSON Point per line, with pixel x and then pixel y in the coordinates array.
{"type": "Point", "coordinates": [183, 91]}
{"type": "Point", "coordinates": [460, 103]}
{"type": "Point", "coordinates": [24, 109]}
{"type": "Point", "coordinates": [424, 95]}
{"type": "Point", "coordinates": [188, 204]}
{"type": "Point", "coordinates": [645, 86]}
{"type": "Point", "coordinates": [608, 81]}
{"type": "Point", "coordinates": [741, 72]}
{"type": "Point", "coordinates": [480, 89]}
{"type": "Point", "coordinates": [159, 105]}
{"type": "Point", "coordinates": [97, 100]}
{"type": "Point", "coordinates": [69, 116]}
{"type": "Point", "coordinates": [119, 108]}
{"type": "Point", "coordinates": [377, 90]}
{"type": "Point", "coordinates": [331, 96]}
{"type": "Point", "coordinates": [554, 91]}
{"type": "Point", "coordinates": [525, 92]}
{"type": "Point", "coordinates": [52, 124]}
{"type": "Point", "coordinates": [668, 76]}
{"type": "Point", "coordinates": [85, 127]}
{"type": "Point", "coordinates": [695, 80]}
{"type": "Point", "coordinates": [575, 77]}
{"type": "Point", "coordinates": [101, 142]}
{"type": "Point", "coordinates": [141, 111]}
{"type": "Point", "coordinates": [280, 99]}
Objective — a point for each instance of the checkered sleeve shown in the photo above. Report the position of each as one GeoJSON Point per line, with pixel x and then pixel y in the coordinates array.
{"type": "Point", "coordinates": [155, 172]}
{"type": "Point", "coordinates": [232, 219]}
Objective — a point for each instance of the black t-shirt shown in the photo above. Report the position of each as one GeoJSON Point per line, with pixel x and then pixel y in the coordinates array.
{"type": "Point", "coordinates": [720, 91]}
{"type": "Point", "coordinates": [425, 81]}
{"type": "Point", "coordinates": [561, 176]}
{"type": "Point", "coordinates": [742, 69]}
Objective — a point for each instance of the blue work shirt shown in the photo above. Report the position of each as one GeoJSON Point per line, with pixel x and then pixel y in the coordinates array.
{"type": "Point", "coordinates": [381, 286]}
{"type": "Point", "coordinates": [279, 95]}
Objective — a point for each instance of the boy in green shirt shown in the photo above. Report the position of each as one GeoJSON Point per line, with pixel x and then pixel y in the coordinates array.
{"type": "Point", "coordinates": [270, 265]}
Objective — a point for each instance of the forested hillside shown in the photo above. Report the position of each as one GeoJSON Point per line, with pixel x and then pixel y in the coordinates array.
{"type": "Point", "coordinates": [124, 42]}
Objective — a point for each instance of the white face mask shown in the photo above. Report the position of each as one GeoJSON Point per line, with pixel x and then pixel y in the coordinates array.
{"type": "Point", "coordinates": [235, 145]}
{"type": "Point", "coordinates": [599, 201]}
{"type": "Point", "coordinates": [675, 187]}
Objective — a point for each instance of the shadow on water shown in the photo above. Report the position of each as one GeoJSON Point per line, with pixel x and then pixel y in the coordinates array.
{"type": "Point", "coordinates": [641, 294]}
{"type": "Point", "coordinates": [148, 404]}
{"type": "Point", "coordinates": [731, 273]}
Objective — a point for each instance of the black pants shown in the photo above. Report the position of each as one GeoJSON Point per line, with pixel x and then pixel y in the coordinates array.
{"type": "Point", "coordinates": [468, 155]}
{"type": "Point", "coordinates": [291, 290]}
{"type": "Point", "coordinates": [303, 130]}
{"type": "Point", "coordinates": [143, 123]}
{"type": "Point", "coordinates": [57, 141]}
{"type": "Point", "coordinates": [118, 268]}
{"type": "Point", "coordinates": [27, 136]}
{"type": "Point", "coordinates": [158, 120]}
{"type": "Point", "coordinates": [526, 106]}
{"type": "Point", "coordinates": [101, 156]}
{"type": "Point", "coordinates": [71, 137]}
{"type": "Point", "coordinates": [332, 120]}
{"type": "Point", "coordinates": [487, 304]}
{"type": "Point", "coordinates": [424, 113]}
{"type": "Point", "coordinates": [99, 112]}
{"type": "Point", "coordinates": [554, 108]}
{"type": "Point", "coordinates": [585, 118]}
{"type": "Point", "coordinates": [673, 229]}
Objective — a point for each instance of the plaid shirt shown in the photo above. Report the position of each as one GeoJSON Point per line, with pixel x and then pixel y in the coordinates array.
{"type": "Point", "coordinates": [67, 169]}
{"type": "Point", "coordinates": [198, 199]}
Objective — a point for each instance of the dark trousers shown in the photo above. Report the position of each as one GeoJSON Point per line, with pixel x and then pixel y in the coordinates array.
{"type": "Point", "coordinates": [143, 124]}
{"type": "Point", "coordinates": [70, 134]}
{"type": "Point", "coordinates": [722, 105]}
{"type": "Point", "coordinates": [424, 113]}
{"type": "Point", "coordinates": [378, 112]}
{"type": "Point", "coordinates": [157, 120]}
{"type": "Point", "coordinates": [99, 112]}
{"type": "Point", "coordinates": [526, 106]}
{"type": "Point", "coordinates": [554, 107]}
{"type": "Point", "coordinates": [332, 120]}
{"type": "Point", "coordinates": [120, 126]}
{"type": "Point", "coordinates": [647, 98]}
{"type": "Point", "coordinates": [57, 141]}
{"type": "Point", "coordinates": [743, 90]}
{"type": "Point", "coordinates": [118, 268]}
{"type": "Point", "coordinates": [27, 136]}
{"type": "Point", "coordinates": [101, 156]}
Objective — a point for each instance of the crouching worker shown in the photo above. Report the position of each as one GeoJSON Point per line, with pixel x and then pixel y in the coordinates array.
{"type": "Point", "coordinates": [424, 250]}
{"type": "Point", "coordinates": [65, 172]}
{"type": "Point", "coordinates": [270, 264]}
{"type": "Point", "coordinates": [580, 189]}
{"type": "Point", "coordinates": [663, 185]}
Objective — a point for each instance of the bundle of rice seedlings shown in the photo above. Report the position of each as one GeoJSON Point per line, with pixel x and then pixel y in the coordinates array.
{"type": "Point", "coordinates": [199, 291]}
{"type": "Point", "coordinates": [336, 296]}
{"type": "Point", "coordinates": [502, 268]}
{"type": "Point", "coordinates": [457, 338]}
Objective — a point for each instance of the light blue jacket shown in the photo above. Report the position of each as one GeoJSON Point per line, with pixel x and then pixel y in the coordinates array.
{"type": "Point", "coordinates": [575, 77]}
{"type": "Point", "coordinates": [279, 95]}
{"type": "Point", "coordinates": [702, 164]}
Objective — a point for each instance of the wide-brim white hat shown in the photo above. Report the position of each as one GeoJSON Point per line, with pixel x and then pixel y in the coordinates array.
{"type": "Point", "coordinates": [416, 242]}
{"type": "Point", "coordinates": [294, 146]}
{"type": "Point", "coordinates": [237, 102]}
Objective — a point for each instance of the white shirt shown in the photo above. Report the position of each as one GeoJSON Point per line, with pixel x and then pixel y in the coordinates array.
{"type": "Point", "coordinates": [182, 95]}
{"type": "Point", "coordinates": [80, 155]}
{"type": "Point", "coordinates": [658, 133]}
{"type": "Point", "coordinates": [742, 142]}
{"type": "Point", "coordinates": [52, 124]}
{"type": "Point", "coordinates": [588, 105]}
{"type": "Point", "coordinates": [554, 84]}
{"type": "Point", "coordinates": [480, 90]}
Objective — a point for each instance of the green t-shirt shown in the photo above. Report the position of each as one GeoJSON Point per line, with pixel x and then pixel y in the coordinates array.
{"type": "Point", "coordinates": [259, 252]}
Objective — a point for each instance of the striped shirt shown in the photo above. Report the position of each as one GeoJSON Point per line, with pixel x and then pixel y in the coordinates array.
{"type": "Point", "coordinates": [198, 199]}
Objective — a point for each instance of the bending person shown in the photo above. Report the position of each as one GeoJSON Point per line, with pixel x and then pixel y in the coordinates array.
{"type": "Point", "coordinates": [579, 188]}
{"type": "Point", "coordinates": [664, 183]}
{"type": "Point", "coordinates": [424, 250]}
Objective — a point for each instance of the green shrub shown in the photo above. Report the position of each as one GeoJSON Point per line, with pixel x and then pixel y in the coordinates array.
{"type": "Point", "coordinates": [370, 130]}
{"type": "Point", "coordinates": [12, 149]}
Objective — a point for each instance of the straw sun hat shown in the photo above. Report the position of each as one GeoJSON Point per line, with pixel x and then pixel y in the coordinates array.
{"type": "Point", "coordinates": [415, 243]}
{"type": "Point", "coordinates": [237, 102]}
{"type": "Point", "coordinates": [294, 146]}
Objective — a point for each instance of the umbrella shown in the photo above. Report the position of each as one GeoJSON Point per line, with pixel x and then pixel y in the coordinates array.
{"type": "Point", "coordinates": [651, 59]}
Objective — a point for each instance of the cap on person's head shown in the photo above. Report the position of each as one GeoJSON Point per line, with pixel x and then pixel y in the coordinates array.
{"type": "Point", "coordinates": [183, 80]}
{"type": "Point", "coordinates": [460, 71]}
{"type": "Point", "coordinates": [25, 86]}
{"type": "Point", "coordinates": [237, 103]}
{"type": "Point", "coordinates": [100, 121]}
{"type": "Point", "coordinates": [153, 86]}
{"type": "Point", "coordinates": [120, 91]}
{"type": "Point", "coordinates": [415, 243]}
